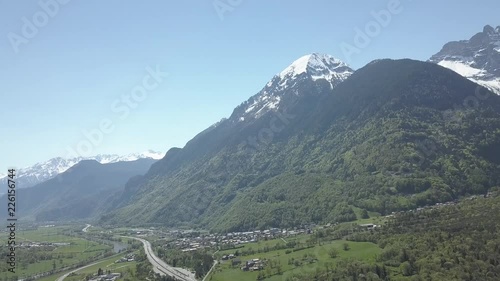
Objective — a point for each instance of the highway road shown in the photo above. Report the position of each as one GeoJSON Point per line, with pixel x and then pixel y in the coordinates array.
{"type": "Point", "coordinates": [161, 267]}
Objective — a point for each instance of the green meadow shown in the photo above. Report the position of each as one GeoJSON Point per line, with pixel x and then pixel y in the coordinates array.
{"type": "Point", "coordinates": [301, 261]}
{"type": "Point", "coordinates": [71, 251]}
{"type": "Point", "coordinates": [127, 269]}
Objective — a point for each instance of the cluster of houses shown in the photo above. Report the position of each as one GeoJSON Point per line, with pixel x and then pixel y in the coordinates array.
{"type": "Point", "coordinates": [228, 257]}
{"type": "Point", "coordinates": [253, 265]}
{"type": "Point", "coordinates": [439, 205]}
{"type": "Point", "coordinates": [188, 242]}
{"type": "Point", "coordinates": [250, 265]}
{"type": "Point", "coordinates": [106, 277]}
{"type": "Point", "coordinates": [28, 245]}
{"type": "Point", "coordinates": [127, 258]}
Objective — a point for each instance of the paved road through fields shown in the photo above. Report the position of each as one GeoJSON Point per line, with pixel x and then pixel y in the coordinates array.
{"type": "Point", "coordinates": [78, 269]}
{"type": "Point", "coordinates": [161, 267]}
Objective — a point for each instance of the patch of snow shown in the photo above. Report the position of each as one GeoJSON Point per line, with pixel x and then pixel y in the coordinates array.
{"type": "Point", "coordinates": [249, 109]}
{"type": "Point", "coordinates": [462, 68]}
{"type": "Point", "coordinates": [152, 154]}
{"type": "Point", "coordinates": [493, 85]}
{"type": "Point", "coordinates": [297, 67]}
{"type": "Point", "coordinates": [273, 104]}
{"type": "Point", "coordinates": [473, 74]}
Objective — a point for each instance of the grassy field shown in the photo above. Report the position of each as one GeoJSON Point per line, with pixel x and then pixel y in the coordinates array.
{"type": "Point", "coordinates": [360, 251]}
{"type": "Point", "coordinates": [77, 250]}
{"type": "Point", "coordinates": [106, 264]}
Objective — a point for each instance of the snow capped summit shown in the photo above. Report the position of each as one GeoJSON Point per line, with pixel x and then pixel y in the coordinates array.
{"type": "Point", "coordinates": [319, 66]}
{"type": "Point", "coordinates": [104, 159]}
{"type": "Point", "coordinates": [40, 172]}
{"type": "Point", "coordinates": [300, 78]}
{"type": "Point", "coordinates": [477, 58]}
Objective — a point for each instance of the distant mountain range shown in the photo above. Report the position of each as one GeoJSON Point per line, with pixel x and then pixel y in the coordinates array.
{"type": "Point", "coordinates": [40, 172]}
{"type": "Point", "coordinates": [477, 58]}
{"type": "Point", "coordinates": [82, 192]}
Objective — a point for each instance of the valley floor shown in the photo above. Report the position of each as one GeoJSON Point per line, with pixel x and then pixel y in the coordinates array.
{"type": "Point", "coordinates": [281, 265]}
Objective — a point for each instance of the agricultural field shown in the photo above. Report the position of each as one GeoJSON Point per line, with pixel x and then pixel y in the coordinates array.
{"type": "Point", "coordinates": [48, 249]}
{"type": "Point", "coordinates": [127, 269]}
{"type": "Point", "coordinates": [291, 261]}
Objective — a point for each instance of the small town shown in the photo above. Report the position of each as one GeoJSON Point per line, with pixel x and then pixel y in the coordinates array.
{"type": "Point", "coordinates": [191, 241]}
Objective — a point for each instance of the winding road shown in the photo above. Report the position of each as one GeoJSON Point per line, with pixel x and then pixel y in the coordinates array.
{"type": "Point", "coordinates": [75, 270]}
{"type": "Point", "coordinates": [86, 228]}
{"type": "Point", "coordinates": [160, 266]}
{"type": "Point", "coordinates": [212, 268]}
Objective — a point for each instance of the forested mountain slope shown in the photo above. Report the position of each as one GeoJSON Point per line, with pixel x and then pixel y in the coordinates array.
{"type": "Point", "coordinates": [393, 135]}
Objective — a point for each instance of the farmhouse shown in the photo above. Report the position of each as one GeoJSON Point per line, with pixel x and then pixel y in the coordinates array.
{"type": "Point", "coordinates": [107, 277]}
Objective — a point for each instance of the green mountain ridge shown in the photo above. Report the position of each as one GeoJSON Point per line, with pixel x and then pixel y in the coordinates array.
{"type": "Point", "coordinates": [382, 141]}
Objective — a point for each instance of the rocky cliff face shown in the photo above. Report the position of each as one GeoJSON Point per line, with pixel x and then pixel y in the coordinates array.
{"type": "Point", "coordinates": [477, 58]}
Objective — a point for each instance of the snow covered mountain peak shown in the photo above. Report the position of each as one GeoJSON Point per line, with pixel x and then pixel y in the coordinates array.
{"type": "Point", "coordinates": [318, 66]}
{"type": "Point", "coordinates": [305, 75]}
{"type": "Point", "coordinates": [113, 158]}
{"type": "Point", "coordinates": [477, 58]}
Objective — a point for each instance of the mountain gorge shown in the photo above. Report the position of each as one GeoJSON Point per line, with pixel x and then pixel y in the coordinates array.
{"type": "Point", "coordinates": [319, 143]}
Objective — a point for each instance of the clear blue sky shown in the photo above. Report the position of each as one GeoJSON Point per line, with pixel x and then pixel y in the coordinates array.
{"type": "Point", "coordinates": [91, 52]}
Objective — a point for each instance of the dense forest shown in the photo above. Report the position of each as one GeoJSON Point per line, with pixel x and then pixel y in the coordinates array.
{"type": "Point", "coordinates": [453, 242]}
